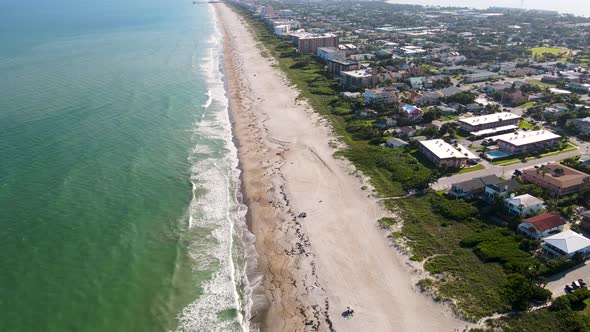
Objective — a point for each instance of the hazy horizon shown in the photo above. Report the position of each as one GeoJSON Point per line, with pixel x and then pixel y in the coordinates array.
{"type": "Point", "coordinates": [576, 7]}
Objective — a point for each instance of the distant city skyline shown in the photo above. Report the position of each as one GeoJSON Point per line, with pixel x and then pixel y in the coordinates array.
{"type": "Point", "coordinates": [576, 7]}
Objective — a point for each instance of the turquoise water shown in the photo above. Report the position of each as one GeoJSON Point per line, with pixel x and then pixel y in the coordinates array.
{"type": "Point", "coordinates": [497, 155]}
{"type": "Point", "coordinates": [119, 203]}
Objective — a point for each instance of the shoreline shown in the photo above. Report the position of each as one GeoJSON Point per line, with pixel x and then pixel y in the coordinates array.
{"type": "Point", "coordinates": [313, 267]}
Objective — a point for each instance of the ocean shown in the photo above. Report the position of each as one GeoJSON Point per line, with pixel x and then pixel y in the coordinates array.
{"type": "Point", "coordinates": [576, 7]}
{"type": "Point", "coordinates": [120, 207]}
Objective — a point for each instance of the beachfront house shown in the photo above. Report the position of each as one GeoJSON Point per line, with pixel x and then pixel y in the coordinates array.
{"type": "Point", "coordinates": [524, 205]}
{"type": "Point", "coordinates": [566, 244]}
{"type": "Point", "coordinates": [541, 226]}
{"type": "Point", "coordinates": [501, 189]}
{"type": "Point", "coordinates": [473, 187]}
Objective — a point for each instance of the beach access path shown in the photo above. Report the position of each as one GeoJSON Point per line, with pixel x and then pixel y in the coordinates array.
{"type": "Point", "coordinates": [336, 256]}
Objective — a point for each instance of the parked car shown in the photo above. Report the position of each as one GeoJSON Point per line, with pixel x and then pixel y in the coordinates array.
{"type": "Point", "coordinates": [568, 289]}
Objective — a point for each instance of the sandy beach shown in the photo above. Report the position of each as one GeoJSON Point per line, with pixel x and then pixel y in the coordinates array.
{"type": "Point", "coordinates": [336, 256]}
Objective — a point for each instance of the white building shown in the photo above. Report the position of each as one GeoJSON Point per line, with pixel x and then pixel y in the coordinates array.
{"type": "Point", "coordinates": [524, 205]}
{"type": "Point", "coordinates": [331, 53]}
{"type": "Point", "coordinates": [357, 79]}
{"type": "Point", "coordinates": [566, 244]}
{"type": "Point", "coordinates": [381, 96]}
{"type": "Point", "coordinates": [526, 141]}
{"type": "Point", "coordinates": [282, 30]}
{"type": "Point", "coordinates": [444, 154]}
{"type": "Point", "coordinates": [476, 124]}
{"type": "Point", "coordinates": [479, 77]}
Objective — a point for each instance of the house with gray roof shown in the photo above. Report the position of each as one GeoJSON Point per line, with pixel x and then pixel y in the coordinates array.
{"type": "Point", "coordinates": [473, 187]}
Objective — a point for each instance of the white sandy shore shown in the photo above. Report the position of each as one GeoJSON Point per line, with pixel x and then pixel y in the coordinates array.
{"type": "Point", "coordinates": [335, 257]}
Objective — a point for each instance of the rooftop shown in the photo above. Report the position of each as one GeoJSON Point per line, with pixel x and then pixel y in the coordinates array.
{"type": "Point", "coordinates": [361, 73]}
{"type": "Point", "coordinates": [545, 221]}
{"type": "Point", "coordinates": [568, 241]}
{"type": "Point", "coordinates": [490, 118]}
{"type": "Point", "coordinates": [477, 183]}
{"type": "Point", "coordinates": [567, 175]}
{"type": "Point", "coordinates": [444, 150]}
{"type": "Point", "coordinates": [520, 138]}
{"type": "Point", "coordinates": [525, 200]}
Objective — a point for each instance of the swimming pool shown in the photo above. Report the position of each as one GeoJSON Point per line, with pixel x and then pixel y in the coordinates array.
{"type": "Point", "coordinates": [497, 155]}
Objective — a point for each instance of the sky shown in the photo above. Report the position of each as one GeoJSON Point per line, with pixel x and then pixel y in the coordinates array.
{"type": "Point", "coordinates": [578, 7]}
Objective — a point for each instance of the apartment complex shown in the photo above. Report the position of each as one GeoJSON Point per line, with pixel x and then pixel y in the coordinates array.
{"type": "Point", "coordinates": [310, 42]}
{"type": "Point", "coordinates": [491, 123]}
{"type": "Point", "coordinates": [445, 155]}
{"type": "Point", "coordinates": [526, 141]}
{"type": "Point", "coordinates": [381, 96]}
{"type": "Point", "coordinates": [330, 53]}
{"type": "Point", "coordinates": [358, 79]}
{"type": "Point", "coordinates": [337, 66]}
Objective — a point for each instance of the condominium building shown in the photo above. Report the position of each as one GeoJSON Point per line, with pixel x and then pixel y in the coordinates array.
{"type": "Point", "coordinates": [443, 154]}
{"type": "Point", "coordinates": [358, 79]}
{"type": "Point", "coordinates": [310, 42]}
{"type": "Point", "coordinates": [330, 53]}
{"type": "Point", "coordinates": [337, 66]}
{"type": "Point", "coordinates": [381, 96]}
{"type": "Point", "coordinates": [478, 124]}
{"type": "Point", "coordinates": [526, 141]}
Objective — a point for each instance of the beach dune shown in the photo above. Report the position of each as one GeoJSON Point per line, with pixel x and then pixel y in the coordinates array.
{"type": "Point", "coordinates": [335, 257]}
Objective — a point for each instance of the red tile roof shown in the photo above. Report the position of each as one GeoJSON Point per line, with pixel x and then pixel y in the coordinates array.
{"type": "Point", "coordinates": [545, 221]}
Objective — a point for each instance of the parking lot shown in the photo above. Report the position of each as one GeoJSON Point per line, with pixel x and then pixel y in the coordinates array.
{"type": "Point", "coordinates": [557, 282]}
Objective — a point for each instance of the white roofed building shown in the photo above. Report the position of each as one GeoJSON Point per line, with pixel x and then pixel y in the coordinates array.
{"type": "Point", "coordinates": [330, 53]}
{"type": "Point", "coordinates": [444, 154]}
{"type": "Point", "coordinates": [358, 79]}
{"type": "Point", "coordinates": [491, 121]}
{"type": "Point", "coordinates": [381, 96]}
{"type": "Point", "coordinates": [524, 205]}
{"type": "Point", "coordinates": [566, 244]}
{"type": "Point", "coordinates": [526, 141]}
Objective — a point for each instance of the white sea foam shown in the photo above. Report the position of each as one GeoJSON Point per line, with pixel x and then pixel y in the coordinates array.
{"type": "Point", "coordinates": [216, 210]}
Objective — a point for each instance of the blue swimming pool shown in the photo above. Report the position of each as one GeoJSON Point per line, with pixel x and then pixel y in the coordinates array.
{"type": "Point", "coordinates": [497, 155]}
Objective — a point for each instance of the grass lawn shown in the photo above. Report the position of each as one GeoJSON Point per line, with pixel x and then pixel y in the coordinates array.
{"type": "Point", "coordinates": [525, 125]}
{"type": "Point", "coordinates": [538, 52]}
{"type": "Point", "coordinates": [527, 104]}
{"type": "Point", "coordinates": [540, 84]}
{"type": "Point", "coordinates": [448, 117]}
{"type": "Point", "coordinates": [471, 169]}
{"type": "Point", "coordinates": [506, 162]}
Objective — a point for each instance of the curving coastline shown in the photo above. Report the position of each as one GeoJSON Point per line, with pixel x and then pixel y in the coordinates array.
{"type": "Point", "coordinates": [314, 267]}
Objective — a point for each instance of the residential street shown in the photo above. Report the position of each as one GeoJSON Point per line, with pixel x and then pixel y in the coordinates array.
{"type": "Point", "coordinates": [504, 171]}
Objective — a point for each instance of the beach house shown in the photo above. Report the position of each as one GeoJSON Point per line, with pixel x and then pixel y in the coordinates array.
{"type": "Point", "coordinates": [473, 187]}
{"type": "Point", "coordinates": [566, 244]}
{"type": "Point", "coordinates": [524, 205]}
{"type": "Point", "coordinates": [541, 226]}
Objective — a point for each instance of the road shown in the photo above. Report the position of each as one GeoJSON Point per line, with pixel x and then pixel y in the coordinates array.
{"type": "Point", "coordinates": [504, 171]}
